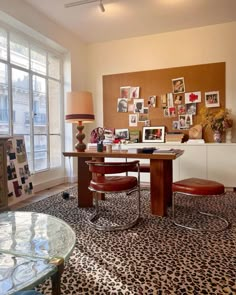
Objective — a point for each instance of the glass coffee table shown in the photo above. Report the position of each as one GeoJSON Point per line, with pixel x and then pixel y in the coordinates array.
{"type": "Point", "coordinates": [33, 247]}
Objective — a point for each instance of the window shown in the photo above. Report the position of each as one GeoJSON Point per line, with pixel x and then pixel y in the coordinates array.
{"type": "Point", "coordinates": [30, 98]}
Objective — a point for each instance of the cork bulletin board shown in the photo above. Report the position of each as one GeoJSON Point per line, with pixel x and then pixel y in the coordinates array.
{"type": "Point", "coordinates": [197, 78]}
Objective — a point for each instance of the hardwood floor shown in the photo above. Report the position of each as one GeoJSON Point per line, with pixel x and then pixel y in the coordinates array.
{"type": "Point", "coordinates": [41, 195]}
{"type": "Point", "coordinates": [49, 192]}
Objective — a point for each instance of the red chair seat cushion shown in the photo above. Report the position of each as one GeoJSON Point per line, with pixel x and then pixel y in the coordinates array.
{"type": "Point", "coordinates": [198, 186]}
{"type": "Point", "coordinates": [114, 183]}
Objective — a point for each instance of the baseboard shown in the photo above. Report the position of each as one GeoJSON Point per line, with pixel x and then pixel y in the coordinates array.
{"type": "Point", "coordinates": [46, 185]}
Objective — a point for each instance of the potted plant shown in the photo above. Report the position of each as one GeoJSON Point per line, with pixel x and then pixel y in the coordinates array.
{"type": "Point", "coordinates": [218, 120]}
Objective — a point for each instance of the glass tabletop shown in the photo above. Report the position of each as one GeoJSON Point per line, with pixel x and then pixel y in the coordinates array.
{"type": "Point", "coordinates": [19, 273]}
{"type": "Point", "coordinates": [29, 241]}
{"type": "Point", "coordinates": [35, 235]}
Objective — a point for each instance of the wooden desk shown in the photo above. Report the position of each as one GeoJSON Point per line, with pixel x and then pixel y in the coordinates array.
{"type": "Point", "coordinates": [160, 178]}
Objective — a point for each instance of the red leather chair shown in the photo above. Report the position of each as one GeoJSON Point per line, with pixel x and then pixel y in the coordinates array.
{"type": "Point", "coordinates": [202, 188]}
{"type": "Point", "coordinates": [102, 182]}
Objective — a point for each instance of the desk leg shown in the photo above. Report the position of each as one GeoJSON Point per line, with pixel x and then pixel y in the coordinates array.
{"type": "Point", "coordinates": [161, 186]}
{"type": "Point", "coordinates": [85, 196]}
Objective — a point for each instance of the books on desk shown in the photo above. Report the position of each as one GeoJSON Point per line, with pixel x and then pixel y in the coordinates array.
{"type": "Point", "coordinates": [144, 150]}
{"type": "Point", "coordinates": [167, 151]}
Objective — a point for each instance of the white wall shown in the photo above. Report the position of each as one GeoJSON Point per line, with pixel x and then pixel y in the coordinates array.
{"type": "Point", "coordinates": [89, 63]}
{"type": "Point", "coordinates": [181, 48]}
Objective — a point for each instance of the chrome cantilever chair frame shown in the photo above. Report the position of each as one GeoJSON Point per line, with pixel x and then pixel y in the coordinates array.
{"type": "Point", "coordinates": [102, 169]}
{"type": "Point", "coordinates": [224, 220]}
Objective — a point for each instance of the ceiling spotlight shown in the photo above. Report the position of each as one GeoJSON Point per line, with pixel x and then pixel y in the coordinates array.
{"type": "Point", "coordinates": [101, 6]}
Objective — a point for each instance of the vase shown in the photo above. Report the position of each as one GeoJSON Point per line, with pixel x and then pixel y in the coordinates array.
{"type": "Point", "coordinates": [228, 135]}
{"type": "Point", "coordinates": [217, 136]}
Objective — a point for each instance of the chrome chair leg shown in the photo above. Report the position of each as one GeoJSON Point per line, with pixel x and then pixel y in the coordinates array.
{"type": "Point", "coordinates": [225, 221]}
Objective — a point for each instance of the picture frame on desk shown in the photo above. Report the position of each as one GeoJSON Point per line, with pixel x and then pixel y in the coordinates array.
{"type": "Point", "coordinates": [122, 133]}
{"type": "Point", "coordinates": [153, 134]}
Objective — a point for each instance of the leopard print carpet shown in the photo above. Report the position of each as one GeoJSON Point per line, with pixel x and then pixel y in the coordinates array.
{"type": "Point", "coordinates": [154, 257]}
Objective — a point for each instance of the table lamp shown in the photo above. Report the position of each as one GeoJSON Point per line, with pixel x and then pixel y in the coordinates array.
{"type": "Point", "coordinates": [79, 109]}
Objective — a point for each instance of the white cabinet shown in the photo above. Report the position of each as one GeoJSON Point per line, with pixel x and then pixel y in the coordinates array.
{"type": "Point", "coordinates": [210, 161]}
{"type": "Point", "coordinates": [221, 163]}
{"type": "Point", "coordinates": [193, 163]}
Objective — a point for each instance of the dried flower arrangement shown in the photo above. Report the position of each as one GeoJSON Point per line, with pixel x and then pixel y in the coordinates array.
{"type": "Point", "coordinates": [217, 120]}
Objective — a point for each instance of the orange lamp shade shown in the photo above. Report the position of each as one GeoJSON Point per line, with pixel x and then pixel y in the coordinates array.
{"type": "Point", "coordinates": [79, 107]}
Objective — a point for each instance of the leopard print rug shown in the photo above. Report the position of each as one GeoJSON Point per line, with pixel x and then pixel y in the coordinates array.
{"type": "Point", "coordinates": [154, 257]}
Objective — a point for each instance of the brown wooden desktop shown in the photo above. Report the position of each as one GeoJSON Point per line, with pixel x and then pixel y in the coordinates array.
{"type": "Point", "coordinates": [160, 176]}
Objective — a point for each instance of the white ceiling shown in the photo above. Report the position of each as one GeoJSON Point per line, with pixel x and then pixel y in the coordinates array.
{"type": "Point", "coordinates": [132, 18]}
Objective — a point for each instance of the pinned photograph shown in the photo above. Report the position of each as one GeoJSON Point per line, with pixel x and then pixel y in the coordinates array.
{"type": "Point", "coordinates": [178, 99]}
{"type": "Point", "coordinates": [175, 125]}
{"type": "Point", "coordinates": [178, 85]}
{"type": "Point", "coordinates": [138, 105]}
{"type": "Point", "coordinates": [125, 92]}
{"type": "Point", "coordinates": [152, 101]}
{"type": "Point", "coordinates": [122, 105]}
{"type": "Point", "coordinates": [191, 108]}
{"type": "Point", "coordinates": [166, 112]}
{"type": "Point", "coordinates": [147, 123]}
{"type": "Point", "coordinates": [212, 99]}
{"type": "Point", "coordinates": [172, 112]}
{"type": "Point", "coordinates": [133, 120]}
{"type": "Point", "coordinates": [134, 92]}
{"type": "Point", "coordinates": [193, 97]}
{"type": "Point", "coordinates": [182, 122]}
{"type": "Point", "coordinates": [142, 117]}
{"type": "Point", "coordinates": [181, 109]}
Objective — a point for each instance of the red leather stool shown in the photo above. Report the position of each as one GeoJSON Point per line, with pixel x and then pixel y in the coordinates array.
{"type": "Point", "coordinates": [197, 187]}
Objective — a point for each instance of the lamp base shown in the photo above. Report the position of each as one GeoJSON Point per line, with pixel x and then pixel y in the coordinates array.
{"type": "Point", "coordinates": [80, 146]}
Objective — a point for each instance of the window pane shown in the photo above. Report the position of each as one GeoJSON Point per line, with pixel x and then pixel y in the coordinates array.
{"type": "Point", "coordinates": [54, 107]}
{"type": "Point", "coordinates": [4, 101]}
{"type": "Point", "coordinates": [40, 152]}
{"type": "Point", "coordinates": [55, 151]}
{"type": "Point", "coordinates": [38, 60]}
{"type": "Point", "coordinates": [19, 51]}
{"type": "Point", "coordinates": [39, 105]}
{"type": "Point", "coordinates": [20, 99]}
{"type": "Point", "coordinates": [28, 151]}
{"type": "Point", "coordinates": [53, 66]}
{"type": "Point", "coordinates": [3, 44]}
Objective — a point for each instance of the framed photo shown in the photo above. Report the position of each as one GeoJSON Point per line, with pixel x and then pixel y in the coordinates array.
{"type": "Point", "coordinates": [122, 133]}
{"type": "Point", "coordinates": [153, 134]}
{"type": "Point", "coordinates": [178, 85]}
{"type": "Point", "coordinates": [212, 99]}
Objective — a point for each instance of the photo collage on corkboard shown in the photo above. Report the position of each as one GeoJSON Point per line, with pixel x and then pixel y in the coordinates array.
{"type": "Point", "coordinates": [179, 105]}
{"type": "Point", "coordinates": [19, 178]}
{"type": "Point", "coordinates": [174, 98]}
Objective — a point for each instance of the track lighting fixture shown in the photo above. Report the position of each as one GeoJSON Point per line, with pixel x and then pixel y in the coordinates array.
{"type": "Point", "coordinates": [82, 2]}
{"type": "Point", "coordinates": [101, 6]}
